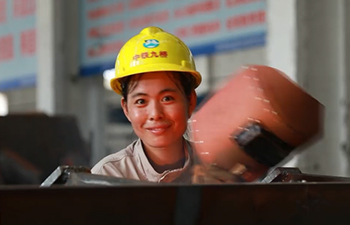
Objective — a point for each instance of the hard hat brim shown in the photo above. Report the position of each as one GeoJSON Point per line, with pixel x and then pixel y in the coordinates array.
{"type": "Point", "coordinates": [116, 85]}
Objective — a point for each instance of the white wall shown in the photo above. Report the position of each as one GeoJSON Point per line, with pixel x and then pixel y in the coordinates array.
{"type": "Point", "coordinates": [282, 39]}
{"type": "Point", "coordinates": [60, 89]}
{"type": "Point", "coordinates": [322, 73]}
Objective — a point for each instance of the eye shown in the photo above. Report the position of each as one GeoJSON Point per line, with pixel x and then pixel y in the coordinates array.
{"type": "Point", "coordinates": [167, 99]}
{"type": "Point", "coordinates": [140, 102]}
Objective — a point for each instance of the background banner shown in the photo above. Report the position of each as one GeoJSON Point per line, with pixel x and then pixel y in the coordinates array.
{"type": "Point", "coordinates": [206, 26]}
{"type": "Point", "coordinates": [18, 61]}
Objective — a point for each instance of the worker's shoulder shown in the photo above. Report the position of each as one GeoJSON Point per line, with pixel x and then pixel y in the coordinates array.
{"type": "Point", "coordinates": [117, 159]}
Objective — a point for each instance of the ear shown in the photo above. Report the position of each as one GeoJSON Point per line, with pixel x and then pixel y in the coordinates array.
{"type": "Point", "coordinates": [124, 105]}
{"type": "Point", "coordinates": [192, 103]}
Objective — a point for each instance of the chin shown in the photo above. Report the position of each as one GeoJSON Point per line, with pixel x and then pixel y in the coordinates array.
{"type": "Point", "coordinates": [161, 142]}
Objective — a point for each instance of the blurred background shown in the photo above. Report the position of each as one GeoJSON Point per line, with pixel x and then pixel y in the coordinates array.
{"type": "Point", "coordinates": [56, 59]}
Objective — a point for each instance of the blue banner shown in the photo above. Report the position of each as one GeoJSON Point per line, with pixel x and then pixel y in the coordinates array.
{"type": "Point", "coordinates": [206, 26]}
{"type": "Point", "coordinates": [18, 61]}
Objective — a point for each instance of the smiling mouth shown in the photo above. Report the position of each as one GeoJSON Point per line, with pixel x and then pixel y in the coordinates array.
{"type": "Point", "coordinates": [158, 130]}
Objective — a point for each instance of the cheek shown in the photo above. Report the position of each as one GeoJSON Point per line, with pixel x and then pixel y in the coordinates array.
{"type": "Point", "coordinates": [137, 116]}
{"type": "Point", "coordinates": [180, 116]}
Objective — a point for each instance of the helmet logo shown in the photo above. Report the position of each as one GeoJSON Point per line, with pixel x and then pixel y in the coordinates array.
{"type": "Point", "coordinates": [151, 43]}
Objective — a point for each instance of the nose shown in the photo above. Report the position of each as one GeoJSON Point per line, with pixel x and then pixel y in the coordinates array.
{"type": "Point", "coordinates": [156, 111]}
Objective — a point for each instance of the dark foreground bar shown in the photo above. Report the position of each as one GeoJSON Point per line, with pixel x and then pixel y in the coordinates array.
{"type": "Point", "coordinates": [274, 203]}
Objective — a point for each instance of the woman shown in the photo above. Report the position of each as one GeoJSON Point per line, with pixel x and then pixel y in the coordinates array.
{"type": "Point", "coordinates": [156, 76]}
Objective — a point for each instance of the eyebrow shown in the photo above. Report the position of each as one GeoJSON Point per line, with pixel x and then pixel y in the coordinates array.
{"type": "Point", "coordinates": [161, 92]}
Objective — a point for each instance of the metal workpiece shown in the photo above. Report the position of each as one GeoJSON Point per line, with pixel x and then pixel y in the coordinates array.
{"type": "Point", "coordinates": [244, 203]}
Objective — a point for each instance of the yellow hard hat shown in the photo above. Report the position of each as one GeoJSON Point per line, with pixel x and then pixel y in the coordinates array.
{"type": "Point", "coordinates": [153, 50]}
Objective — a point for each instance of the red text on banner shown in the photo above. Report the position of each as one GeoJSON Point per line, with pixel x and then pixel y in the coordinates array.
{"type": "Point", "coordinates": [198, 29]}
{"type": "Point", "coordinates": [106, 11]}
{"type": "Point", "coordinates": [106, 30]}
{"type": "Point", "coordinates": [104, 49]}
{"type": "Point", "coordinates": [135, 4]}
{"type": "Point", "coordinates": [23, 8]}
{"type": "Point", "coordinates": [28, 42]}
{"type": "Point", "coordinates": [244, 20]}
{"type": "Point", "coordinates": [2, 11]}
{"type": "Point", "coordinates": [6, 47]}
{"type": "Point", "coordinates": [232, 3]}
{"type": "Point", "coordinates": [201, 7]}
{"type": "Point", "coordinates": [155, 17]}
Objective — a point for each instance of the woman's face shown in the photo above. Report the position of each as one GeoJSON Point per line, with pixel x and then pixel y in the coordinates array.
{"type": "Point", "coordinates": [158, 109]}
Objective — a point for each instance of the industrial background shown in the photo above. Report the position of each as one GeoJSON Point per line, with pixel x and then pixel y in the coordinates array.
{"type": "Point", "coordinates": [56, 57]}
